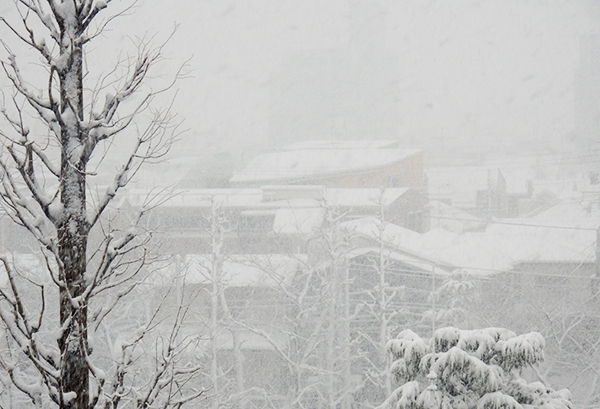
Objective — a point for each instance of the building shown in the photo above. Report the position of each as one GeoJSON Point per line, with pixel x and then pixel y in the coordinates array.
{"type": "Point", "coordinates": [482, 191]}
{"type": "Point", "coordinates": [271, 218]}
{"type": "Point", "coordinates": [336, 164]}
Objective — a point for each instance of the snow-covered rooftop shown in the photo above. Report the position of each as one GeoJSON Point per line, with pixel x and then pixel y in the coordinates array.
{"type": "Point", "coordinates": [294, 164]}
{"type": "Point", "coordinates": [575, 209]}
{"type": "Point", "coordinates": [501, 247]}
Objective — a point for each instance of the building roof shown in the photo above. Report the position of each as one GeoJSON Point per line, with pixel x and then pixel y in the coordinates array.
{"type": "Point", "coordinates": [575, 209]}
{"type": "Point", "coordinates": [306, 163]}
{"type": "Point", "coordinates": [501, 247]}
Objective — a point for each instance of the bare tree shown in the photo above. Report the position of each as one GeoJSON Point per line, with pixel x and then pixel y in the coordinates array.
{"type": "Point", "coordinates": [564, 310]}
{"type": "Point", "coordinates": [315, 338]}
{"type": "Point", "coordinates": [380, 300]}
{"type": "Point", "coordinates": [219, 313]}
{"type": "Point", "coordinates": [55, 136]}
{"type": "Point", "coordinates": [339, 342]}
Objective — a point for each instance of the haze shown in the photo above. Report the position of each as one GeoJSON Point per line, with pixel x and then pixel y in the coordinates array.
{"type": "Point", "coordinates": [348, 177]}
{"type": "Point", "coordinates": [474, 73]}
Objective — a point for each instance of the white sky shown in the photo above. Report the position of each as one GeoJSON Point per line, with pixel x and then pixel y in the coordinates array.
{"type": "Point", "coordinates": [468, 69]}
{"type": "Point", "coordinates": [473, 70]}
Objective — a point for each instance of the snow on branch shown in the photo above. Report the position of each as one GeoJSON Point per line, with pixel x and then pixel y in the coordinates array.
{"type": "Point", "coordinates": [23, 328]}
{"type": "Point", "coordinates": [91, 8]}
{"type": "Point", "coordinates": [43, 187]}
{"type": "Point", "coordinates": [44, 16]}
{"type": "Point", "coordinates": [407, 350]}
{"type": "Point", "coordinates": [168, 384]}
{"type": "Point", "coordinates": [25, 210]}
{"type": "Point", "coordinates": [30, 38]}
{"type": "Point", "coordinates": [107, 123]}
{"type": "Point", "coordinates": [468, 369]}
{"type": "Point", "coordinates": [152, 144]}
{"type": "Point", "coordinates": [13, 73]}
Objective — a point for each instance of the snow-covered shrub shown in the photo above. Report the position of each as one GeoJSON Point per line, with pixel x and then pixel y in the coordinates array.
{"type": "Point", "coordinates": [476, 369]}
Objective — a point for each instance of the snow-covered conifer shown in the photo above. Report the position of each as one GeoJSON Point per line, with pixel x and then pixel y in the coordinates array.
{"type": "Point", "coordinates": [469, 369]}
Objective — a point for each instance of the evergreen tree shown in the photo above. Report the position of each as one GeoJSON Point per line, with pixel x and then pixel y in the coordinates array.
{"type": "Point", "coordinates": [469, 369]}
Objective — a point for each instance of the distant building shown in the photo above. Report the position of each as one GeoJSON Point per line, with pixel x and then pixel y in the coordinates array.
{"type": "Point", "coordinates": [545, 261]}
{"type": "Point", "coordinates": [336, 164]}
{"type": "Point", "coordinates": [273, 218]}
{"type": "Point", "coordinates": [479, 190]}
{"type": "Point", "coordinates": [558, 242]}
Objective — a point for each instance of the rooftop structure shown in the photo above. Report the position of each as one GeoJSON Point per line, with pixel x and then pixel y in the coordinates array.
{"type": "Point", "coordinates": [336, 164]}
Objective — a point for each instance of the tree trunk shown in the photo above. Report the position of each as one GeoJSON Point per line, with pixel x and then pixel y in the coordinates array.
{"type": "Point", "coordinates": [73, 228]}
